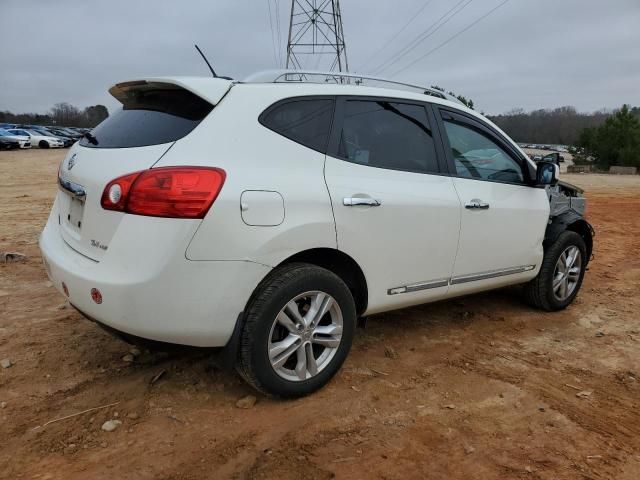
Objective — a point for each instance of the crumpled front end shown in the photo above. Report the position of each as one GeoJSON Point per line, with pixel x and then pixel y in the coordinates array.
{"type": "Point", "coordinates": [564, 197]}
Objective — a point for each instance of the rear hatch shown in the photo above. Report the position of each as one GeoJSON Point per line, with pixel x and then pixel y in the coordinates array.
{"type": "Point", "coordinates": [155, 114]}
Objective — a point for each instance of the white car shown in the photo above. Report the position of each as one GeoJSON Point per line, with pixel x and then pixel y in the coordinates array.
{"type": "Point", "coordinates": [37, 139]}
{"type": "Point", "coordinates": [266, 216]}
{"type": "Point", "coordinates": [23, 140]}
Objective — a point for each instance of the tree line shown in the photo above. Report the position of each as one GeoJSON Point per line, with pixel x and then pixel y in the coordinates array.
{"type": "Point", "coordinates": [61, 114]}
{"type": "Point", "coordinates": [558, 126]}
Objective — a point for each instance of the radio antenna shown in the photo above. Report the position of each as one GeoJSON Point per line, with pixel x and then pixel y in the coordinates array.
{"type": "Point", "coordinates": [207, 61]}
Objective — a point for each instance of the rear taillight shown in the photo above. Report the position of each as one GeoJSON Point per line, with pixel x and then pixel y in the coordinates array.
{"type": "Point", "coordinates": [174, 192]}
{"type": "Point", "coordinates": [121, 184]}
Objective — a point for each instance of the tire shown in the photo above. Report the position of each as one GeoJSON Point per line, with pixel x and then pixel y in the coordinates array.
{"type": "Point", "coordinates": [541, 292]}
{"type": "Point", "coordinates": [43, 144]}
{"type": "Point", "coordinates": [301, 286]}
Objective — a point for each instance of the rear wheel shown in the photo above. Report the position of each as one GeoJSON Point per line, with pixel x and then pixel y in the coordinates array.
{"type": "Point", "coordinates": [43, 144]}
{"type": "Point", "coordinates": [561, 274]}
{"type": "Point", "coordinates": [298, 331]}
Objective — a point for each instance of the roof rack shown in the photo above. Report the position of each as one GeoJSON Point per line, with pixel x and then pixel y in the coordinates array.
{"type": "Point", "coordinates": [307, 76]}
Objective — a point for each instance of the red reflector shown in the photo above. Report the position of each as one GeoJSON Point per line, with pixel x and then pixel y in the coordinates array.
{"type": "Point", "coordinates": [96, 296]}
{"type": "Point", "coordinates": [174, 192]}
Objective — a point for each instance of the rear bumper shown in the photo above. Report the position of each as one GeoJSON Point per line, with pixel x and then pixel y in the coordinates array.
{"type": "Point", "coordinates": [160, 296]}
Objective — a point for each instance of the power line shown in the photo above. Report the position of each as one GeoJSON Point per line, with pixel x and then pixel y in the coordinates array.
{"type": "Point", "coordinates": [450, 38]}
{"type": "Point", "coordinates": [433, 28]}
{"type": "Point", "coordinates": [273, 41]}
{"type": "Point", "coordinates": [441, 22]}
{"type": "Point", "coordinates": [381, 49]}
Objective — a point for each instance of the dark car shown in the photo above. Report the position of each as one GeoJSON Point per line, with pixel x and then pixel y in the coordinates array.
{"type": "Point", "coordinates": [63, 134]}
{"type": "Point", "coordinates": [66, 132]}
{"type": "Point", "coordinates": [554, 157]}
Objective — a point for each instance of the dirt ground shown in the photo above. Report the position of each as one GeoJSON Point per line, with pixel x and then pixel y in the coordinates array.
{"type": "Point", "coordinates": [479, 387]}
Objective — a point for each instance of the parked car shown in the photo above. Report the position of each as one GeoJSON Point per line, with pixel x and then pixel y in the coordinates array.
{"type": "Point", "coordinates": [8, 144]}
{"type": "Point", "coordinates": [66, 138]}
{"type": "Point", "coordinates": [67, 141]}
{"type": "Point", "coordinates": [554, 157]}
{"type": "Point", "coordinates": [265, 217]}
{"type": "Point", "coordinates": [37, 138]}
{"type": "Point", "coordinates": [23, 140]}
{"type": "Point", "coordinates": [68, 132]}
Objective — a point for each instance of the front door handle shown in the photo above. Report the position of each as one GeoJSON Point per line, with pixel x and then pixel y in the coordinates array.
{"type": "Point", "coordinates": [476, 204]}
{"type": "Point", "coordinates": [354, 201]}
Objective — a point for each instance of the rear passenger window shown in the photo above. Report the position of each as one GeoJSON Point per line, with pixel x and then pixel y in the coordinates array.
{"type": "Point", "coordinates": [304, 121]}
{"type": "Point", "coordinates": [389, 135]}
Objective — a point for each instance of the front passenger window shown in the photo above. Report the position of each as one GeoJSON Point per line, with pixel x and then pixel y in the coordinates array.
{"type": "Point", "coordinates": [477, 156]}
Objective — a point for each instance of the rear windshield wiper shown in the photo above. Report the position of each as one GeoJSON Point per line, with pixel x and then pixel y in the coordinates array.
{"type": "Point", "coordinates": [93, 140]}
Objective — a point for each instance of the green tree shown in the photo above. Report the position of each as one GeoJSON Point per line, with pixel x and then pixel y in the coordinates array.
{"type": "Point", "coordinates": [466, 101]}
{"type": "Point", "coordinates": [94, 115]}
{"type": "Point", "coordinates": [616, 142]}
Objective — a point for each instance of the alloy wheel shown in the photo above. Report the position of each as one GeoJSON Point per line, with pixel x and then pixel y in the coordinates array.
{"type": "Point", "coordinates": [566, 274]}
{"type": "Point", "coordinates": [305, 336]}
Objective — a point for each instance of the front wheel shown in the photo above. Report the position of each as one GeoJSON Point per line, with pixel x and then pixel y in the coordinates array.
{"type": "Point", "coordinates": [43, 144]}
{"type": "Point", "coordinates": [561, 274]}
{"type": "Point", "coordinates": [298, 330]}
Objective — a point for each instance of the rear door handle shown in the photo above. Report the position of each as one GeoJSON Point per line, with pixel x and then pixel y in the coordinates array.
{"type": "Point", "coordinates": [476, 204]}
{"type": "Point", "coordinates": [354, 201]}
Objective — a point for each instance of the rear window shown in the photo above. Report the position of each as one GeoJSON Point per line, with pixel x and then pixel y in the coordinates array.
{"type": "Point", "coordinates": [305, 121]}
{"type": "Point", "coordinates": [151, 114]}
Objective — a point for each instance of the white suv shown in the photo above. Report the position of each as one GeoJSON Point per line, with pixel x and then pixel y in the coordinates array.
{"type": "Point", "coordinates": [266, 216]}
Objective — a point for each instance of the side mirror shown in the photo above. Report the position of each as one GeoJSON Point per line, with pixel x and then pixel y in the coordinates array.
{"type": "Point", "coordinates": [547, 173]}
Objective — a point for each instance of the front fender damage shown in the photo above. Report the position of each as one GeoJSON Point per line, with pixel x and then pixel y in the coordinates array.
{"type": "Point", "coordinates": [567, 206]}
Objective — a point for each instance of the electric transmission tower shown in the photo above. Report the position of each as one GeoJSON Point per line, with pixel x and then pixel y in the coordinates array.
{"type": "Point", "coordinates": [316, 38]}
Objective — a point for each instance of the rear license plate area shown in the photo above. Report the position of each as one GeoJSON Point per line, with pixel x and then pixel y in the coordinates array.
{"type": "Point", "coordinates": [75, 213]}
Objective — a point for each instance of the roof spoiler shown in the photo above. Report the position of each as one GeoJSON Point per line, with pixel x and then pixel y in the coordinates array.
{"type": "Point", "coordinates": [210, 89]}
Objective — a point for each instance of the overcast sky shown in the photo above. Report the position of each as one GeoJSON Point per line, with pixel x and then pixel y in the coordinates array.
{"type": "Point", "coordinates": [527, 54]}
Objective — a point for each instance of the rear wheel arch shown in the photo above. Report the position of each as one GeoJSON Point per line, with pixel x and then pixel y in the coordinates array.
{"type": "Point", "coordinates": [341, 265]}
{"type": "Point", "coordinates": [337, 262]}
